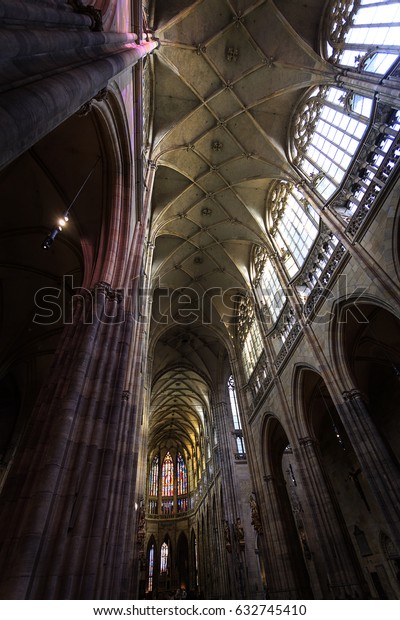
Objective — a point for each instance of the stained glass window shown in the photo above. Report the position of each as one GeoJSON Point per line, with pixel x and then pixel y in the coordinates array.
{"type": "Point", "coordinates": [167, 506]}
{"type": "Point", "coordinates": [168, 476]}
{"type": "Point", "coordinates": [182, 504]}
{"type": "Point", "coordinates": [164, 558]}
{"type": "Point", "coordinates": [154, 476]}
{"type": "Point", "coordinates": [151, 569]}
{"type": "Point", "coordinates": [181, 474]}
{"type": "Point", "coordinates": [153, 507]}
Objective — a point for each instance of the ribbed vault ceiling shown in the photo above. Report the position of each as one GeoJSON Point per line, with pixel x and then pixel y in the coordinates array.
{"type": "Point", "coordinates": [226, 79]}
{"type": "Point", "coordinates": [179, 399]}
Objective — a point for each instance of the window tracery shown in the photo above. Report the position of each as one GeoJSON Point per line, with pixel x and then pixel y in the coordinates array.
{"type": "Point", "coordinates": [324, 149]}
{"type": "Point", "coordinates": [364, 34]}
{"type": "Point", "coordinates": [153, 487]}
{"type": "Point", "coordinates": [151, 569]}
{"type": "Point", "coordinates": [294, 226]}
{"type": "Point", "coordinates": [181, 473]}
{"type": "Point", "coordinates": [240, 453]}
{"type": "Point", "coordinates": [252, 348]}
{"type": "Point", "coordinates": [237, 425]}
{"type": "Point", "coordinates": [268, 289]}
{"type": "Point", "coordinates": [167, 476]}
{"type": "Point", "coordinates": [171, 483]}
{"type": "Point", "coordinates": [164, 558]}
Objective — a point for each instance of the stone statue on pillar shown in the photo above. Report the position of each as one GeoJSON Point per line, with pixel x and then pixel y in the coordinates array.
{"type": "Point", "coordinates": [255, 515]}
{"type": "Point", "coordinates": [239, 532]}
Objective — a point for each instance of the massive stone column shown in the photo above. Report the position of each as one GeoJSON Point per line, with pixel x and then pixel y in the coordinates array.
{"type": "Point", "coordinates": [281, 579]}
{"type": "Point", "coordinates": [67, 510]}
{"type": "Point", "coordinates": [224, 456]}
{"type": "Point", "coordinates": [377, 464]}
{"type": "Point", "coordinates": [328, 538]}
{"type": "Point", "coordinates": [64, 505]}
{"type": "Point", "coordinates": [55, 59]}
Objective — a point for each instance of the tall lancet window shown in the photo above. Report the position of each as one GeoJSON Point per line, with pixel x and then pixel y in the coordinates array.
{"type": "Point", "coordinates": [249, 335]}
{"type": "Point", "coordinates": [181, 474]}
{"type": "Point", "coordinates": [294, 225]}
{"type": "Point", "coordinates": [234, 404]}
{"type": "Point", "coordinates": [151, 569]}
{"type": "Point", "coordinates": [164, 558]}
{"type": "Point", "coordinates": [168, 476]}
{"type": "Point", "coordinates": [237, 424]}
{"type": "Point", "coordinates": [153, 486]}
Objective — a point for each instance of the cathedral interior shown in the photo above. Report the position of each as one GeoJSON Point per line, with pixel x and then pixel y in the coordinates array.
{"type": "Point", "coordinates": [199, 299]}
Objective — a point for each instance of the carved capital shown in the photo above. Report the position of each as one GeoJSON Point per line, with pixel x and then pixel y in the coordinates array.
{"type": "Point", "coordinates": [94, 14]}
{"type": "Point", "coordinates": [110, 293]}
{"type": "Point", "coordinates": [88, 106]}
{"type": "Point", "coordinates": [306, 442]}
{"type": "Point", "coordinates": [355, 394]}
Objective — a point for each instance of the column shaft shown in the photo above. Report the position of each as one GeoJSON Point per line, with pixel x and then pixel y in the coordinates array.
{"type": "Point", "coordinates": [376, 462]}
{"type": "Point", "coordinates": [329, 540]}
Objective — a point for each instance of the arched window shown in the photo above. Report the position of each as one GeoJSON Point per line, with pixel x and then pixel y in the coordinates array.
{"type": "Point", "coordinates": [327, 131]}
{"type": "Point", "coordinates": [294, 226]}
{"type": "Point", "coordinates": [249, 335]}
{"type": "Point", "coordinates": [237, 425]}
{"type": "Point", "coordinates": [267, 286]}
{"type": "Point", "coordinates": [364, 34]}
{"type": "Point", "coordinates": [252, 348]}
{"type": "Point", "coordinates": [153, 486]}
{"type": "Point", "coordinates": [167, 484]}
{"type": "Point", "coordinates": [151, 569]}
{"type": "Point", "coordinates": [241, 450]}
{"type": "Point", "coordinates": [174, 487]}
{"type": "Point", "coordinates": [164, 558]}
{"type": "Point", "coordinates": [181, 473]}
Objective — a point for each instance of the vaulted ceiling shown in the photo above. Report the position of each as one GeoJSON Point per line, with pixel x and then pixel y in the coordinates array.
{"type": "Point", "coordinates": [226, 79]}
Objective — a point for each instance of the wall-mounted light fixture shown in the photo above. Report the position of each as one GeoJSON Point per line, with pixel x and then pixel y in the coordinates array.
{"type": "Point", "coordinates": [48, 242]}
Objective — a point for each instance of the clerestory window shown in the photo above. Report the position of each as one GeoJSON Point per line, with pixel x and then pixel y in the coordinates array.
{"type": "Point", "coordinates": [267, 286]}
{"type": "Point", "coordinates": [240, 452]}
{"type": "Point", "coordinates": [364, 34]}
{"type": "Point", "coordinates": [249, 335]}
{"type": "Point", "coordinates": [294, 227]}
{"type": "Point", "coordinates": [237, 425]}
{"type": "Point", "coordinates": [327, 130]}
